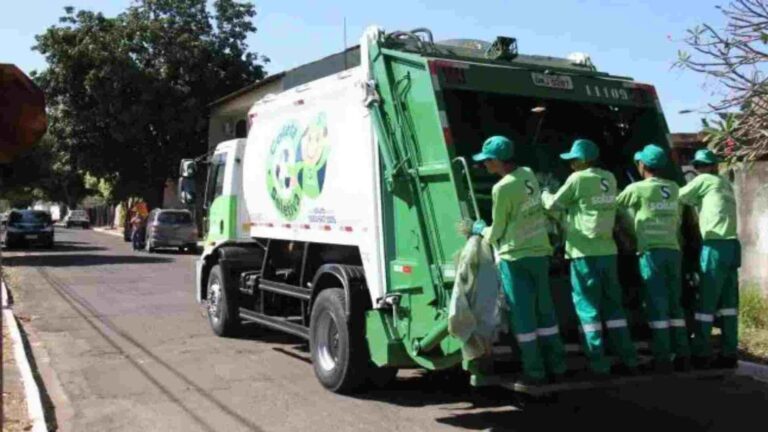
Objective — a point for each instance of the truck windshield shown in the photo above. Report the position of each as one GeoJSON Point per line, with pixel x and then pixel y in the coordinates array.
{"type": "Point", "coordinates": [542, 129]}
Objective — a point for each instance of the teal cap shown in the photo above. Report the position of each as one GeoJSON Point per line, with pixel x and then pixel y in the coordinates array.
{"type": "Point", "coordinates": [706, 157]}
{"type": "Point", "coordinates": [652, 156]}
{"type": "Point", "coordinates": [583, 150]}
{"type": "Point", "coordinates": [496, 147]}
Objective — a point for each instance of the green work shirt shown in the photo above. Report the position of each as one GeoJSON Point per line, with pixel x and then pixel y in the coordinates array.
{"type": "Point", "coordinates": [519, 227]}
{"type": "Point", "coordinates": [654, 208]}
{"type": "Point", "coordinates": [715, 201]}
{"type": "Point", "coordinates": [589, 199]}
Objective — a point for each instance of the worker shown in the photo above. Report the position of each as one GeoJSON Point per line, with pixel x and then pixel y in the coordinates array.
{"type": "Point", "coordinates": [720, 259]}
{"type": "Point", "coordinates": [653, 206]}
{"type": "Point", "coordinates": [519, 236]}
{"type": "Point", "coordinates": [588, 198]}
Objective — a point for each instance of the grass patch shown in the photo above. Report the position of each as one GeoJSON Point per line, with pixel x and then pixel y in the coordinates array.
{"type": "Point", "coordinates": [753, 324]}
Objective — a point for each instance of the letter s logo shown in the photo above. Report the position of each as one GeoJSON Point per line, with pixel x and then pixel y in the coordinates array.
{"type": "Point", "coordinates": [604, 185]}
{"type": "Point", "coordinates": [529, 187]}
{"type": "Point", "coordinates": [665, 192]}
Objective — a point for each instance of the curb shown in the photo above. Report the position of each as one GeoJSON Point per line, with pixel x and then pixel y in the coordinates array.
{"type": "Point", "coordinates": [31, 391]}
{"type": "Point", "coordinates": [108, 232]}
{"type": "Point", "coordinates": [753, 370]}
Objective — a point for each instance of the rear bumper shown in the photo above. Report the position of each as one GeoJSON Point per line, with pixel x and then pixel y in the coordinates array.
{"type": "Point", "coordinates": [29, 237]}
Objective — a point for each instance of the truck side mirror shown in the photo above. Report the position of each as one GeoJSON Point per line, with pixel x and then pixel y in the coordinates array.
{"type": "Point", "coordinates": [187, 168]}
{"type": "Point", "coordinates": [187, 190]}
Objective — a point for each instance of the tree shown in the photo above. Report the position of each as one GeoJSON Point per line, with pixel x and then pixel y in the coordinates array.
{"type": "Point", "coordinates": [131, 92]}
{"type": "Point", "coordinates": [735, 58]}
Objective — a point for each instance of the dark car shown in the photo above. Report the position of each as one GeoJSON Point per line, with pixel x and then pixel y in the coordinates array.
{"type": "Point", "coordinates": [171, 229]}
{"type": "Point", "coordinates": [27, 227]}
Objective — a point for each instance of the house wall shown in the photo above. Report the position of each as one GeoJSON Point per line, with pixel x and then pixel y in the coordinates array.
{"type": "Point", "coordinates": [751, 187]}
{"type": "Point", "coordinates": [234, 110]}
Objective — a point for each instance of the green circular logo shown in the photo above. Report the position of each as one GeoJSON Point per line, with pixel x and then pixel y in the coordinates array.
{"type": "Point", "coordinates": [282, 171]}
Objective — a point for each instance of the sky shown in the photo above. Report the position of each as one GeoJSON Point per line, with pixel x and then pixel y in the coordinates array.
{"type": "Point", "coordinates": [623, 37]}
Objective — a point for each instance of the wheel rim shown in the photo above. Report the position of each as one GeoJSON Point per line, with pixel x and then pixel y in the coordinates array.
{"type": "Point", "coordinates": [214, 300]}
{"type": "Point", "coordinates": [327, 342]}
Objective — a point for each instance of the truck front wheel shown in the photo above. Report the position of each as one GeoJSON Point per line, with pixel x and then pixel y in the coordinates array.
{"type": "Point", "coordinates": [337, 344]}
{"type": "Point", "coordinates": [222, 312]}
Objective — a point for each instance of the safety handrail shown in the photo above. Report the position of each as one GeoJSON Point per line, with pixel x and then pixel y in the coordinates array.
{"type": "Point", "coordinates": [465, 166]}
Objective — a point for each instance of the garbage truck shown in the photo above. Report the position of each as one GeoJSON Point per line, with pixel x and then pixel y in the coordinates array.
{"type": "Point", "coordinates": [335, 219]}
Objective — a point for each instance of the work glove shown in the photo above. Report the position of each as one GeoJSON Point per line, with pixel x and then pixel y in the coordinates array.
{"type": "Point", "coordinates": [478, 227]}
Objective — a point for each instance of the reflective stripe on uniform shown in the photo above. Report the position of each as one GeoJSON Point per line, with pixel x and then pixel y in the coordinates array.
{"type": "Point", "coordinates": [618, 323]}
{"type": "Point", "coordinates": [547, 331]}
{"type": "Point", "coordinates": [704, 317]}
{"type": "Point", "coordinates": [727, 312]}
{"type": "Point", "coordinates": [677, 323]}
{"type": "Point", "coordinates": [592, 327]}
{"type": "Point", "coordinates": [659, 325]}
{"type": "Point", "coordinates": [526, 337]}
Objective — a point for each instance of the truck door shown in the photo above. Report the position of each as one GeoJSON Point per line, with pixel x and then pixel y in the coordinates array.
{"type": "Point", "coordinates": [220, 204]}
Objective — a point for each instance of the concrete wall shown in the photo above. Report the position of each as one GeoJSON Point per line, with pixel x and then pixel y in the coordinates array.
{"type": "Point", "coordinates": [751, 187]}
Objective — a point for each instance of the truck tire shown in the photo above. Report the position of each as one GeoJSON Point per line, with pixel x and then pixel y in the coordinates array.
{"type": "Point", "coordinates": [337, 344]}
{"type": "Point", "coordinates": [222, 311]}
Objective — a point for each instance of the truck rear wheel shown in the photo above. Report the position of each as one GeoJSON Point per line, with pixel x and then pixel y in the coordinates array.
{"type": "Point", "coordinates": [222, 312]}
{"type": "Point", "coordinates": [337, 344]}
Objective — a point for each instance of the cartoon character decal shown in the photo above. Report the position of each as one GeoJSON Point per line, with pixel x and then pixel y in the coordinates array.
{"type": "Point", "coordinates": [296, 166]}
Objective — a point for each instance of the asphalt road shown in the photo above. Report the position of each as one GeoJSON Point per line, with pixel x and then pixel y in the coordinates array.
{"type": "Point", "coordinates": [121, 345]}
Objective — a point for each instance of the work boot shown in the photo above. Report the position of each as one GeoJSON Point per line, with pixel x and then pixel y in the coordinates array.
{"type": "Point", "coordinates": [701, 363]}
{"type": "Point", "coordinates": [682, 364]}
{"type": "Point", "coordinates": [529, 381]}
{"type": "Point", "coordinates": [627, 371]}
{"type": "Point", "coordinates": [725, 362]}
{"type": "Point", "coordinates": [659, 367]}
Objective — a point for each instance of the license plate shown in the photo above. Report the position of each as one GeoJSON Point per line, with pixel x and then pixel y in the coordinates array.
{"type": "Point", "coordinates": [31, 236]}
{"type": "Point", "coordinates": [560, 82]}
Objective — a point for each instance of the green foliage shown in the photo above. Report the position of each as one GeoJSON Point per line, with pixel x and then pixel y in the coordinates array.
{"type": "Point", "coordinates": [753, 308]}
{"type": "Point", "coordinates": [129, 95]}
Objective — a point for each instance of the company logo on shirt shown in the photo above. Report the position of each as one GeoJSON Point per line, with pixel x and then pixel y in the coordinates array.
{"type": "Point", "coordinates": [664, 205]}
{"type": "Point", "coordinates": [665, 192]}
{"type": "Point", "coordinates": [604, 185]}
{"type": "Point", "coordinates": [529, 187]}
{"type": "Point", "coordinates": [604, 199]}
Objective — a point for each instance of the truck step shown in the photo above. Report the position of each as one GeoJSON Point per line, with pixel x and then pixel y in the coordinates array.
{"type": "Point", "coordinates": [285, 289]}
{"type": "Point", "coordinates": [276, 323]}
{"type": "Point", "coordinates": [586, 381]}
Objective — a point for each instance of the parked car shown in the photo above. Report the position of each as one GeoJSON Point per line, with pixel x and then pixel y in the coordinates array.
{"type": "Point", "coordinates": [171, 229]}
{"type": "Point", "coordinates": [77, 218]}
{"type": "Point", "coordinates": [27, 227]}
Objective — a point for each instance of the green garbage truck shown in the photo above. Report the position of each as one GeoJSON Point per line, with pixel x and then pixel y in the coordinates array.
{"type": "Point", "coordinates": [335, 219]}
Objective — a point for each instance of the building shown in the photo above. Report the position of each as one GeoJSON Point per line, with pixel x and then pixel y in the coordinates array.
{"type": "Point", "coordinates": [229, 114]}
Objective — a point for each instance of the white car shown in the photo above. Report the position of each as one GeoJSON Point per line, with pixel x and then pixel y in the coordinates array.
{"type": "Point", "coordinates": [77, 218]}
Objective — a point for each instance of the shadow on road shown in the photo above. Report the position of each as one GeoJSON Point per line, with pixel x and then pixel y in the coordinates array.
{"type": "Point", "coordinates": [719, 404]}
{"type": "Point", "coordinates": [78, 259]}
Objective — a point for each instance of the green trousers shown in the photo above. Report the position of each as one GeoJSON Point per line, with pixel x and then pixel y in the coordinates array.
{"type": "Point", "coordinates": [597, 297]}
{"type": "Point", "coordinates": [662, 286]}
{"type": "Point", "coordinates": [718, 296]}
{"type": "Point", "coordinates": [532, 315]}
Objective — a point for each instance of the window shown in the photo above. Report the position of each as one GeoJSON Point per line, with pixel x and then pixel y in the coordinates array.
{"type": "Point", "coordinates": [241, 129]}
{"type": "Point", "coordinates": [174, 218]}
{"type": "Point", "coordinates": [216, 173]}
{"type": "Point", "coordinates": [30, 217]}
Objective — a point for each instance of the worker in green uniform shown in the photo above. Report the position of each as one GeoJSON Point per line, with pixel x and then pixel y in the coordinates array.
{"type": "Point", "coordinates": [720, 259]}
{"type": "Point", "coordinates": [655, 211]}
{"type": "Point", "coordinates": [589, 199]}
{"type": "Point", "coordinates": [519, 236]}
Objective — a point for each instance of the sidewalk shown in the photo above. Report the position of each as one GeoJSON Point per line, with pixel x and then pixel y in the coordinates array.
{"type": "Point", "coordinates": [117, 232]}
{"type": "Point", "coordinates": [15, 416]}
{"type": "Point", "coordinates": [22, 405]}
